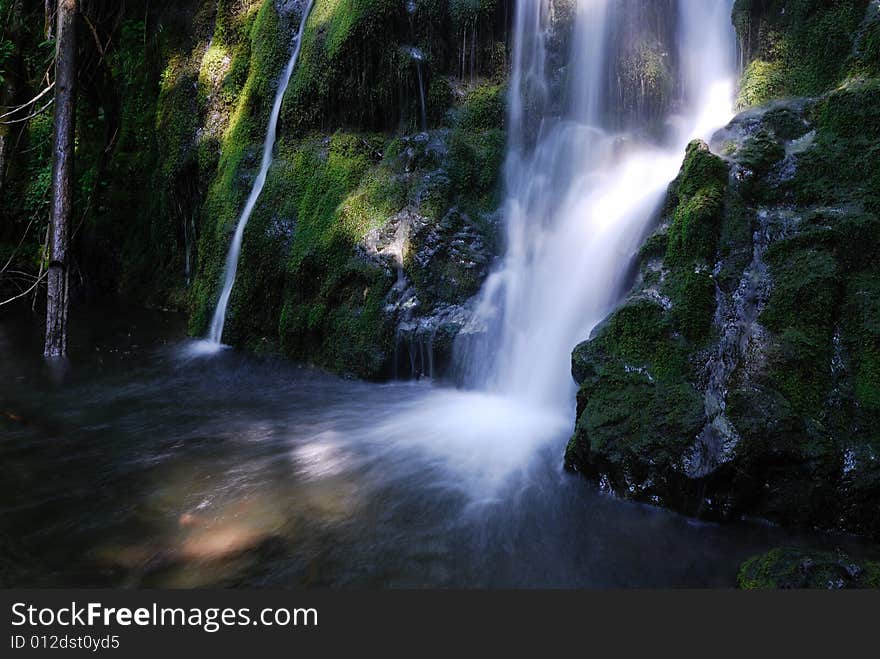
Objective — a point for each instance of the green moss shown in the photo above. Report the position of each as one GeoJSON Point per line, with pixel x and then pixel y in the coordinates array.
{"type": "Point", "coordinates": [628, 417]}
{"type": "Point", "coordinates": [698, 200]}
{"type": "Point", "coordinates": [760, 152]}
{"type": "Point", "coordinates": [761, 82]}
{"type": "Point", "coordinates": [860, 320]}
{"type": "Point", "coordinates": [655, 246]}
{"type": "Point", "coordinates": [474, 164]}
{"type": "Point", "coordinates": [483, 109]}
{"type": "Point", "coordinates": [840, 168]}
{"type": "Point", "coordinates": [300, 279]}
{"type": "Point", "coordinates": [695, 307]}
{"type": "Point", "coordinates": [785, 123]}
{"type": "Point", "coordinates": [638, 333]}
{"type": "Point", "coordinates": [788, 568]}
{"type": "Point", "coordinates": [440, 98]}
{"type": "Point", "coordinates": [852, 111]}
{"type": "Point", "coordinates": [795, 47]}
{"type": "Point", "coordinates": [801, 310]}
{"type": "Point", "coordinates": [348, 70]}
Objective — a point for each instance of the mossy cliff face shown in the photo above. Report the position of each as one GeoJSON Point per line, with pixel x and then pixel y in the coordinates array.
{"type": "Point", "coordinates": [366, 227]}
{"type": "Point", "coordinates": [378, 216]}
{"type": "Point", "coordinates": [740, 376]}
{"type": "Point", "coordinates": [801, 47]}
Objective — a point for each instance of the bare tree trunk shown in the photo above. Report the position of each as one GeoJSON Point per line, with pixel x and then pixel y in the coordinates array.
{"type": "Point", "coordinates": [62, 178]}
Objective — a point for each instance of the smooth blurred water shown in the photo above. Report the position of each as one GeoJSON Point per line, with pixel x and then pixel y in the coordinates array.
{"type": "Point", "coordinates": [213, 341]}
{"type": "Point", "coordinates": [140, 466]}
{"type": "Point", "coordinates": [580, 197]}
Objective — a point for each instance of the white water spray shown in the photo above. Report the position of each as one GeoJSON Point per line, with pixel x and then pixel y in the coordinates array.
{"type": "Point", "coordinates": [580, 198]}
{"type": "Point", "coordinates": [231, 269]}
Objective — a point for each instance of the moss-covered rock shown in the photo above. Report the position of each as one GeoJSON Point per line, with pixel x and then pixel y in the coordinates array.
{"type": "Point", "coordinates": [789, 568]}
{"type": "Point", "coordinates": [698, 196]}
{"type": "Point", "coordinates": [636, 413]}
{"type": "Point", "coordinates": [754, 317]}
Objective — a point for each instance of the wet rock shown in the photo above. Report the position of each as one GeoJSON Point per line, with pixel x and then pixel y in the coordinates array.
{"type": "Point", "coordinates": [789, 568]}
{"type": "Point", "coordinates": [437, 262]}
{"type": "Point", "coordinates": [754, 317]}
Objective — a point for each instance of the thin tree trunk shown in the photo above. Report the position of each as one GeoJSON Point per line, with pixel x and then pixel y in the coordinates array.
{"type": "Point", "coordinates": [62, 178]}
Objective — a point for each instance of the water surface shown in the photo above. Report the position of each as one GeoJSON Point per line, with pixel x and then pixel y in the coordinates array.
{"type": "Point", "coordinates": [141, 466]}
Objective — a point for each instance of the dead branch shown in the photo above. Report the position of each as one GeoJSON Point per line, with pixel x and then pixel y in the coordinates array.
{"type": "Point", "coordinates": [30, 116]}
{"type": "Point", "coordinates": [30, 102]}
{"type": "Point", "coordinates": [22, 294]}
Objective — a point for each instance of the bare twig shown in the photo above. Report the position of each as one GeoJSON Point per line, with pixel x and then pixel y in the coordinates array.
{"type": "Point", "coordinates": [30, 102]}
{"type": "Point", "coordinates": [22, 294]}
{"type": "Point", "coordinates": [30, 116]}
{"type": "Point", "coordinates": [102, 50]}
{"type": "Point", "coordinates": [112, 142]}
{"type": "Point", "coordinates": [20, 243]}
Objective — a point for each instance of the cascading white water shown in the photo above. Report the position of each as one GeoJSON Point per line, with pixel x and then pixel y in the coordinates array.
{"type": "Point", "coordinates": [215, 334]}
{"type": "Point", "coordinates": [580, 198]}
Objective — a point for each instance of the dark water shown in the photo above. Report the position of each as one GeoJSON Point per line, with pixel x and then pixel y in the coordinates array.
{"type": "Point", "coordinates": [141, 466]}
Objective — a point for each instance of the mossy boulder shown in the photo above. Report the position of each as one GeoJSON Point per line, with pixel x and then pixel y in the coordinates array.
{"type": "Point", "coordinates": [698, 199]}
{"type": "Point", "coordinates": [755, 318]}
{"type": "Point", "coordinates": [790, 568]}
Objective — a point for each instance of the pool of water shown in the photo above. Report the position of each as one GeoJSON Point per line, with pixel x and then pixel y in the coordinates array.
{"type": "Point", "coordinates": [144, 463]}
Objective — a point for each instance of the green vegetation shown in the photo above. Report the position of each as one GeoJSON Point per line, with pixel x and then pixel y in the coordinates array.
{"type": "Point", "coordinates": [171, 123]}
{"type": "Point", "coordinates": [796, 47]}
{"type": "Point", "coordinates": [799, 568]}
{"type": "Point", "coordinates": [699, 199]}
{"type": "Point", "coordinates": [304, 284]}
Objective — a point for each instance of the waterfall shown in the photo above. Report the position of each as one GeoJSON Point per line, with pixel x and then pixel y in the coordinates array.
{"type": "Point", "coordinates": [580, 197]}
{"type": "Point", "coordinates": [231, 268]}
{"type": "Point", "coordinates": [418, 57]}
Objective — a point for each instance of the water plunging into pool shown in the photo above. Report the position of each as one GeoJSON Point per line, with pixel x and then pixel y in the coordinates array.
{"type": "Point", "coordinates": [247, 471]}
{"type": "Point", "coordinates": [215, 333]}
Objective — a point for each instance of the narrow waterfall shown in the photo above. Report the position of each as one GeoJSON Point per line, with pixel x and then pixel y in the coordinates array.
{"type": "Point", "coordinates": [417, 56]}
{"type": "Point", "coordinates": [215, 333]}
{"type": "Point", "coordinates": [581, 194]}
